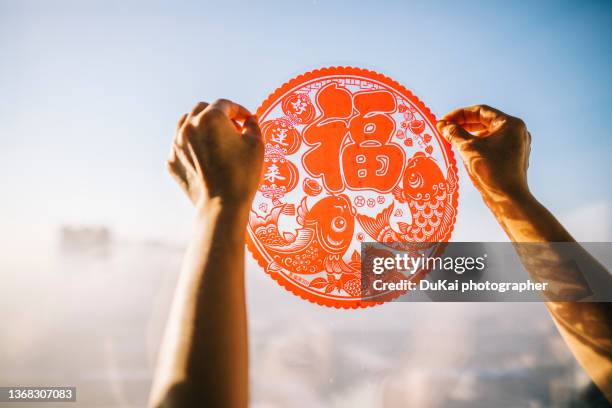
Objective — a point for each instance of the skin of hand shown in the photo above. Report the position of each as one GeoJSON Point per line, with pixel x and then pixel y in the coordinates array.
{"type": "Point", "coordinates": [216, 158]}
{"type": "Point", "coordinates": [495, 150]}
{"type": "Point", "coordinates": [494, 147]}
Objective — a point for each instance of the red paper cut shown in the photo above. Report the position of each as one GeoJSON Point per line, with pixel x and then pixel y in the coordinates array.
{"type": "Point", "coordinates": [339, 169]}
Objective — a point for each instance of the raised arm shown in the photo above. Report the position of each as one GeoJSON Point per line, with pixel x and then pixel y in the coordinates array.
{"type": "Point", "coordinates": [495, 149]}
{"type": "Point", "coordinates": [216, 158]}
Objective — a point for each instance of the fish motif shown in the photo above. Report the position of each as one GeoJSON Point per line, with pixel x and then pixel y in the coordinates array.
{"type": "Point", "coordinates": [319, 244]}
{"type": "Point", "coordinates": [428, 194]}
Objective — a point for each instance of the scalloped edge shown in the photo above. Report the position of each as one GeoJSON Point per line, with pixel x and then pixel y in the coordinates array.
{"type": "Point", "coordinates": [348, 70]}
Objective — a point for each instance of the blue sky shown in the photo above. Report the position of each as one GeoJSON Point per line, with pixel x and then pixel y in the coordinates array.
{"type": "Point", "coordinates": [90, 93]}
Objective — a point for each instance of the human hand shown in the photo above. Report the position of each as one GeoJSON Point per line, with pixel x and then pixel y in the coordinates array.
{"type": "Point", "coordinates": [494, 147]}
{"type": "Point", "coordinates": [217, 152]}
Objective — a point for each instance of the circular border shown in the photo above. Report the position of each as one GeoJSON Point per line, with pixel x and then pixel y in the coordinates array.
{"type": "Point", "coordinates": [446, 150]}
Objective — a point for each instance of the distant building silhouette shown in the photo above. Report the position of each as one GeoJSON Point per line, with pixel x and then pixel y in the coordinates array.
{"type": "Point", "coordinates": [86, 240]}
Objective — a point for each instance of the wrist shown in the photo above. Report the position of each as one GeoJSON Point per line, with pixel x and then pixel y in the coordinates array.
{"type": "Point", "coordinates": [509, 203]}
{"type": "Point", "coordinates": [519, 196]}
{"type": "Point", "coordinates": [230, 213]}
{"type": "Point", "coordinates": [510, 206]}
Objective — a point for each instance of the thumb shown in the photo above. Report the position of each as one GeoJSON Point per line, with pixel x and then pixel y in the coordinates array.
{"type": "Point", "coordinates": [251, 130]}
{"type": "Point", "coordinates": [453, 133]}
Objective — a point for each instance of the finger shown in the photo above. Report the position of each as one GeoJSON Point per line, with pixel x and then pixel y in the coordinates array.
{"type": "Point", "coordinates": [196, 110]}
{"type": "Point", "coordinates": [181, 121]}
{"type": "Point", "coordinates": [180, 181]}
{"type": "Point", "coordinates": [482, 114]}
{"type": "Point", "coordinates": [184, 156]}
{"type": "Point", "coordinates": [177, 170]}
{"type": "Point", "coordinates": [199, 107]}
{"type": "Point", "coordinates": [473, 127]}
{"type": "Point", "coordinates": [177, 162]}
{"type": "Point", "coordinates": [231, 109]}
{"type": "Point", "coordinates": [453, 133]}
{"type": "Point", "coordinates": [481, 133]}
{"type": "Point", "coordinates": [237, 125]}
{"type": "Point", "coordinates": [251, 129]}
{"type": "Point", "coordinates": [178, 134]}
{"type": "Point", "coordinates": [182, 133]}
{"type": "Point", "coordinates": [476, 129]}
{"type": "Point", "coordinates": [180, 142]}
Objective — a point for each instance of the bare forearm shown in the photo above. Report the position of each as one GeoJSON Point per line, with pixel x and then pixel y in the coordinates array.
{"type": "Point", "coordinates": [586, 327]}
{"type": "Point", "coordinates": [204, 353]}
{"type": "Point", "coordinates": [495, 149]}
{"type": "Point", "coordinates": [524, 219]}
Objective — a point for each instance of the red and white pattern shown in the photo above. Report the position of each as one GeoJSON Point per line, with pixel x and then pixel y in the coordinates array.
{"type": "Point", "coordinates": [350, 156]}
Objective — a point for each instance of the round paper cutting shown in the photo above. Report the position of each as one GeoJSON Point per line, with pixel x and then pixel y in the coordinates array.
{"type": "Point", "coordinates": [350, 156]}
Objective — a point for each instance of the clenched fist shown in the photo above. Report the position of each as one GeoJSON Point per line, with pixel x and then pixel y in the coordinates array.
{"type": "Point", "coordinates": [217, 152]}
{"type": "Point", "coordinates": [494, 147]}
